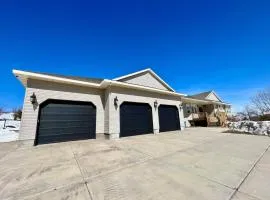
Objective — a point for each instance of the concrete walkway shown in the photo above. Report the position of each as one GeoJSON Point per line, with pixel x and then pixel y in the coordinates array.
{"type": "Point", "coordinates": [198, 163]}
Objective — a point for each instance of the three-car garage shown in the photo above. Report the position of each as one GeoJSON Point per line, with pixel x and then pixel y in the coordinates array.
{"type": "Point", "coordinates": [60, 108]}
{"type": "Point", "coordinates": [72, 120]}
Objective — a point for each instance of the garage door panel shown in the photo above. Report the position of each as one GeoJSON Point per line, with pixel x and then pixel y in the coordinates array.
{"type": "Point", "coordinates": [63, 130]}
{"type": "Point", "coordinates": [64, 113]}
{"type": "Point", "coordinates": [168, 118]}
{"type": "Point", "coordinates": [67, 111]}
{"type": "Point", "coordinates": [63, 138]}
{"type": "Point", "coordinates": [135, 119]}
{"type": "Point", "coordinates": [66, 120]}
{"type": "Point", "coordinates": [64, 124]}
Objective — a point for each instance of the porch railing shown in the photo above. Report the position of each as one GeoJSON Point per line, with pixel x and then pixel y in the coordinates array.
{"type": "Point", "coordinates": [200, 115]}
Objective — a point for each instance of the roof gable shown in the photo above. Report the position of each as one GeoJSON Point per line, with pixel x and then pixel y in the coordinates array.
{"type": "Point", "coordinates": [213, 97]}
{"type": "Point", "coordinates": [210, 95]}
{"type": "Point", "coordinates": [200, 96]}
{"type": "Point", "coordinates": [146, 78]}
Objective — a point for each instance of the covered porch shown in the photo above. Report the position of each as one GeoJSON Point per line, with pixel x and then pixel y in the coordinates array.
{"type": "Point", "coordinates": [205, 112]}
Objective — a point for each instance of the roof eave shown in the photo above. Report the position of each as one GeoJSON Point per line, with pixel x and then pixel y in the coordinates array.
{"type": "Point", "coordinates": [105, 83]}
{"type": "Point", "coordinates": [23, 76]}
{"type": "Point", "coordinates": [187, 99]}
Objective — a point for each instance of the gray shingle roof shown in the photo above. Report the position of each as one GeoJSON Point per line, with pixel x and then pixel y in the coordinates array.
{"type": "Point", "coordinates": [200, 96]}
{"type": "Point", "coordinates": [77, 78]}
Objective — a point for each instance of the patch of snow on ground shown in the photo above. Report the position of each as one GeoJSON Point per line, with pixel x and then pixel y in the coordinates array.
{"type": "Point", "coordinates": [250, 127]}
{"type": "Point", "coordinates": [9, 116]}
{"type": "Point", "coordinates": [11, 132]}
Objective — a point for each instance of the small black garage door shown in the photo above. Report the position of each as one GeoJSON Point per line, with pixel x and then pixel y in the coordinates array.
{"type": "Point", "coordinates": [65, 120]}
{"type": "Point", "coordinates": [135, 119]}
{"type": "Point", "coordinates": [168, 118]}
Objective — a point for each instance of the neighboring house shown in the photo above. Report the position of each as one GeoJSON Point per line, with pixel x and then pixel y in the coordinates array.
{"type": "Point", "coordinates": [62, 108]}
{"type": "Point", "coordinates": [205, 109]}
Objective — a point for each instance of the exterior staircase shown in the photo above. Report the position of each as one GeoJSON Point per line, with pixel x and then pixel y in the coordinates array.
{"type": "Point", "coordinates": [212, 120]}
{"type": "Point", "coordinates": [222, 118]}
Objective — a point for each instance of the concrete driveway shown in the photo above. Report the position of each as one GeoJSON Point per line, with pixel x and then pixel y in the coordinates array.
{"type": "Point", "coordinates": [198, 163]}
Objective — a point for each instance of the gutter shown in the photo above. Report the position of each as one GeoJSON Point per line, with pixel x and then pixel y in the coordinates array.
{"type": "Point", "coordinates": [21, 75]}
{"type": "Point", "coordinates": [107, 82]}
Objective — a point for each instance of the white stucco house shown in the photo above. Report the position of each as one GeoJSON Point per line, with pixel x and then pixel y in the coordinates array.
{"type": "Point", "coordinates": [61, 108]}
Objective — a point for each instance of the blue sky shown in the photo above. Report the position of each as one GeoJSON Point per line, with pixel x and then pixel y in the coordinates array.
{"type": "Point", "coordinates": [195, 46]}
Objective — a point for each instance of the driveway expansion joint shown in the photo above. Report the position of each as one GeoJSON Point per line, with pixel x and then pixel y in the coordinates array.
{"type": "Point", "coordinates": [84, 181]}
{"type": "Point", "coordinates": [249, 172]}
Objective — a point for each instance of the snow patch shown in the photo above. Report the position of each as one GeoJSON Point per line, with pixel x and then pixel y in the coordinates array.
{"type": "Point", "coordinates": [10, 131]}
{"type": "Point", "coordinates": [250, 127]}
{"type": "Point", "coordinates": [8, 116]}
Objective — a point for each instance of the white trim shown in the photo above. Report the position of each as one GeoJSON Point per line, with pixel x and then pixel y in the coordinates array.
{"type": "Point", "coordinates": [38, 76]}
{"type": "Point", "coordinates": [142, 71]}
{"type": "Point", "coordinates": [131, 74]}
{"type": "Point", "coordinates": [213, 92]}
{"type": "Point", "coordinates": [107, 82]}
{"type": "Point", "coordinates": [153, 73]}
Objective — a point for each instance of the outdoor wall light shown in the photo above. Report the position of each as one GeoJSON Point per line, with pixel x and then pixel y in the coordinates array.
{"type": "Point", "coordinates": [33, 98]}
{"type": "Point", "coordinates": [115, 101]}
{"type": "Point", "coordinates": [155, 104]}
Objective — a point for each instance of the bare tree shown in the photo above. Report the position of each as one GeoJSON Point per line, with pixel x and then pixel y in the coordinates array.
{"type": "Point", "coordinates": [241, 116]}
{"type": "Point", "coordinates": [261, 101]}
{"type": "Point", "coordinates": [250, 112]}
{"type": "Point", "coordinates": [1, 110]}
{"type": "Point", "coordinates": [17, 113]}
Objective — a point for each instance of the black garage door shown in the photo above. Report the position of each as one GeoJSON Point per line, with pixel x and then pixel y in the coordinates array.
{"type": "Point", "coordinates": [135, 119]}
{"type": "Point", "coordinates": [168, 118]}
{"type": "Point", "coordinates": [65, 120]}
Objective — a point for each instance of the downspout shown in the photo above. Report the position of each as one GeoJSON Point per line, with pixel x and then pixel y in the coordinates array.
{"type": "Point", "coordinates": [108, 110]}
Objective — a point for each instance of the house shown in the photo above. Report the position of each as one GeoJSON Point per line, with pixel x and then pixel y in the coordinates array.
{"type": "Point", "coordinates": [205, 109]}
{"type": "Point", "coordinates": [62, 108]}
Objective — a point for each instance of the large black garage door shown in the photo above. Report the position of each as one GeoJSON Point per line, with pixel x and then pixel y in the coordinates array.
{"type": "Point", "coordinates": [65, 120]}
{"type": "Point", "coordinates": [168, 118]}
{"type": "Point", "coordinates": [135, 119]}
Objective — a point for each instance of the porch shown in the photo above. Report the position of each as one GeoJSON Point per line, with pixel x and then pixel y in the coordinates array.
{"type": "Point", "coordinates": [200, 114]}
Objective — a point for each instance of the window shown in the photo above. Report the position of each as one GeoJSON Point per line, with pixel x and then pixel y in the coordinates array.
{"type": "Point", "coordinates": [200, 109]}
